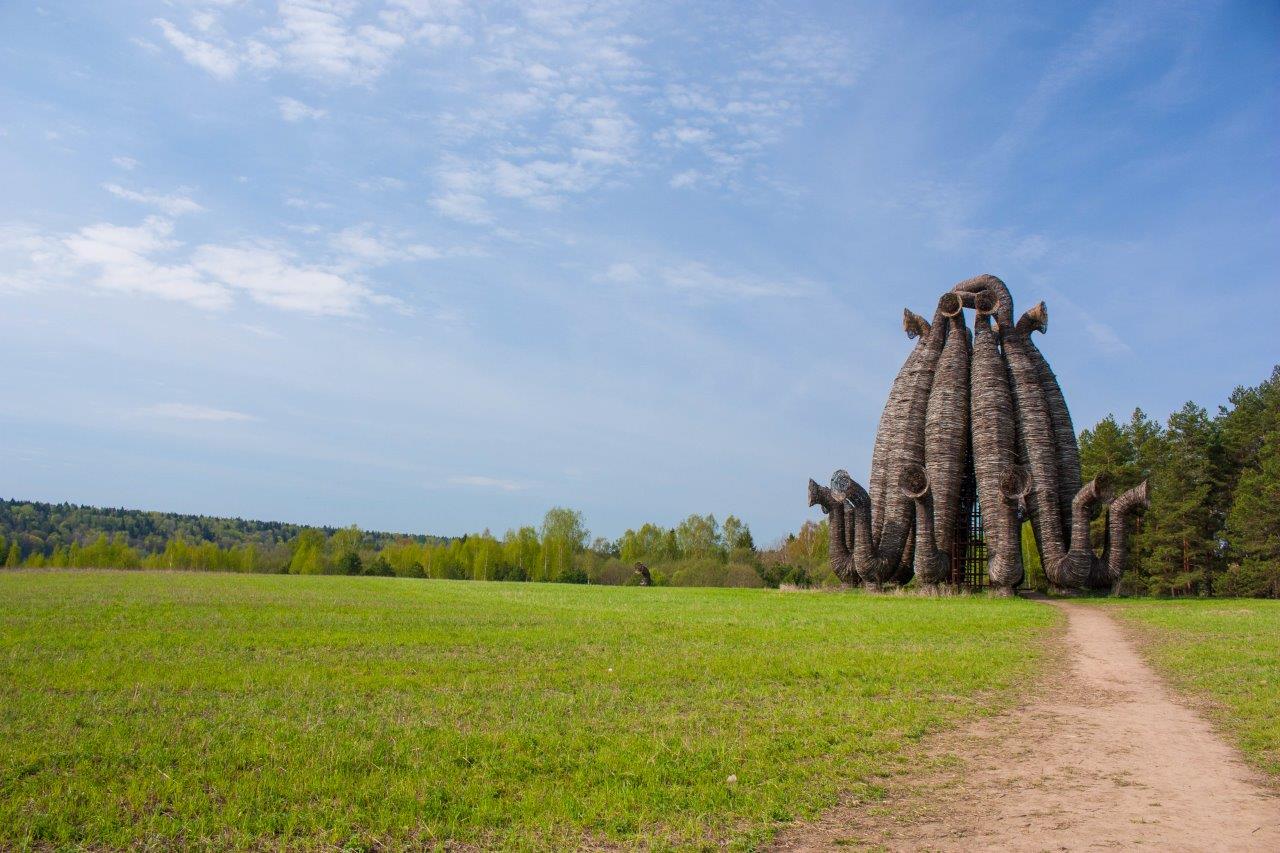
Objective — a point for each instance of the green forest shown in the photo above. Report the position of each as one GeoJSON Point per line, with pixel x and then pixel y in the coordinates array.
{"type": "Point", "coordinates": [699, 551]}
{"type": "Point", "coordinates": [1214, 523]}
{"type": "Point", "coordinates": [1213, 527]}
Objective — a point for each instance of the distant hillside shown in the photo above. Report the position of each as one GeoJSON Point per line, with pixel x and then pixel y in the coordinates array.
{"type": "Point", "coordinates": [43, 527]}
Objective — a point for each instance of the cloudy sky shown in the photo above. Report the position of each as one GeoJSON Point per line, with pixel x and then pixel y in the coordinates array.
{"type": "Point", "coordinates": [427, 265]}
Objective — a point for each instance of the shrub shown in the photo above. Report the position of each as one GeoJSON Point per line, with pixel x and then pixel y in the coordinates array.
{"type": "Point", "coordinates": [1250, 579]}
{"type": "Point", "coordinates": [773, 573]}
{"type": "Point", "coordinates": [703, 572]}
{"type": "Point", "coordinates": [349, 564]}
{"type": "Point", "coordinates": [571, 574]}
{"type": "Point", "coordinates": [742, 575]}
{"type": "Point", "coordinates": [614, 572]}
{"type": "Point", "coordinates": [798, 576]}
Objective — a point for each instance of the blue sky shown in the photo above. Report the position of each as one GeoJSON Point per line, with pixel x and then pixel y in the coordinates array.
{"type": "Point", "coordinates": [437, 266]}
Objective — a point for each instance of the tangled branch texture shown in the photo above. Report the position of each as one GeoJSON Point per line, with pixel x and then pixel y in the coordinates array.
{"type": "Point", "coordinates": [986, 402]}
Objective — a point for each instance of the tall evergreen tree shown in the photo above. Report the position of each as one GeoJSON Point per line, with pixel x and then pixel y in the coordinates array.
{"type": "Point", "coordinates": [1108, 449]}
{"type": "Point", "coordinates": [1253, 526]}
{"type": "Point", "coordinates": [1251, 441]}
{"type": "Point", "coordinates": [1181, 529]}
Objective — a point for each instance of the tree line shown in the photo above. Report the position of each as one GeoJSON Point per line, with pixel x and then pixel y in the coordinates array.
{"type": "Point", "coordinates": [47, 529]}
{"type": "Point", "coordinates": [699, 551]}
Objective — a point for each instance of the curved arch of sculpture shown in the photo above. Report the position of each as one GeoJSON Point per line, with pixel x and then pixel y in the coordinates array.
{"type": "Point", "coordinates": [995, 397]}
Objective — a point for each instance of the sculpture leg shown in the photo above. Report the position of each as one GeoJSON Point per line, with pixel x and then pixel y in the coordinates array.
{"type": "Point", "coordinates": [931, 564]}
{"type": "Point", "coordinates": [1073, 569]}
{"type": "Point", "coordinates": [1111, 566]}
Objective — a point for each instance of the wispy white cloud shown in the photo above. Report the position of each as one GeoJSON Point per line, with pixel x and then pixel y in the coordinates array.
{"type": "Point", "coordinates": [730, 118]}
{"type": "Point", "coordinates": [492, 483]}
{"type": "Point", "coordinates": [275, 277]}
{"type": "Point", "coordinates": [262, 331]}
{"type": "Point", "coordinates": [681, 133]}
{"type": "Point", "coordinates": [291, 109]}
{"type": "Point", "coordinates": [126, 163]}
{"type": "Point", "coordinates": [1104, 336]}
{"type": "Point", "coordinates": [146, 45]}
{"type": "Point", "coordinates": [191, 412]}
{"type": "Point", "coordinates": [368, 245]}
{"type": "Point", "coordinates": [1107, 41]}
{"type": "Point", "coordinates": [147, 259]}
{"type": "Point", "coordinates": [299, 203]}
{"type": "Point", "coordinates": [554, 100]}
{"type": "Point", "coordinates": [687, 178]}
{"type": "Point", "coordinates": [338, 41]}
{"type": "Point", "coordinates": [173, 205]}
{"type": "Point", "coordinates": [463, 207]}
{"type": "Point", "coordinates": [124, 259]}
{"type": "Point", "coordinates": [205, 55]}
{"type": "Point", "coordinates": [28, 258]}
{"type": "Point", "coordinates": [382, 182]}
{"type": "Point", "coordinates": [591, 141]}
{"type": "Point", "coordinates": [204, 20]}
{"type": "Point", "coordinates": [622, 272]}
{"type": "Point", "coordinates": [953, 213]}
{"type": "Point", "coordinates": [697, 281]}
{"type": "Point", "coordinates": [1107, 339]}
{"type": "Point", "coordinates": [320, 38]}
{"type": "Point", "coordinates": [559, 101]}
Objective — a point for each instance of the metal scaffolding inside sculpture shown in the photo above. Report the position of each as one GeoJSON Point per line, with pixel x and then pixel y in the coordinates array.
{"type": "Point", "coordinates": [975, 438]}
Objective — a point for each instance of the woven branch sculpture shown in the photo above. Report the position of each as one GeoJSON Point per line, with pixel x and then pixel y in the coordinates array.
{"type": "Point", "coordinates": [986, 406]}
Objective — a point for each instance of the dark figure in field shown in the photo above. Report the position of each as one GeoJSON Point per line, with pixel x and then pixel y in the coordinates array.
{"type": "Point", "coordinates": [642, 570]}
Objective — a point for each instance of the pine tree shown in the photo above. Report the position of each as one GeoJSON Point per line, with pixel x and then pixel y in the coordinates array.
{"type": "Point", "coordinates": [1253, 525]}
{"type": "Point", "coordinates": [1253, 416]}
{"type": "Point", "coordinates": [1251, 440]}
{"type": "Point", "coordinates": [1187, 505]}
{"type": "Point", "coordinates": [1108, 449]}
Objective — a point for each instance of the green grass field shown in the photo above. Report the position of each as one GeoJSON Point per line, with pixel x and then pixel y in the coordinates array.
{"type": "Point", "coordinates": [1227, 650]}
{"type": "Point", "coordinates": [230, 711]}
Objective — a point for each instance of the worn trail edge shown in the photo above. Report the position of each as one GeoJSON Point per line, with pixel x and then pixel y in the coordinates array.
{"type": "Point", "coordinates": [1105, 756]}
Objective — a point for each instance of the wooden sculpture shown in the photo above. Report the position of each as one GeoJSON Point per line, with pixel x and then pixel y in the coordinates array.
{"type": "Point", "coordinates": [984, 411]}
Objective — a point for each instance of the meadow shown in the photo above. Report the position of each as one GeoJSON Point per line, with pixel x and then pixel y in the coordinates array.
{"type": "Point", "coordinates": [207, 710]}
{"type": "Point", "coordinates": [1224, 650]}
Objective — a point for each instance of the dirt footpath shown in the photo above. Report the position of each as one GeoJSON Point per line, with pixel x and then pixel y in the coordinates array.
{"type": "Point", "coordinates": [1105, 756]}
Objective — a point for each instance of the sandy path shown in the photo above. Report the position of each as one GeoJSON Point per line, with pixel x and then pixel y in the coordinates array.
{"type": "Point", "coordinates": [1106, 756]}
